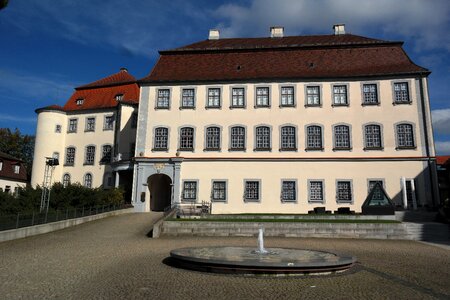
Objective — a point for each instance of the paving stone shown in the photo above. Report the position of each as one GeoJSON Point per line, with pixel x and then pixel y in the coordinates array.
{"type": "Point", "coordinates": [113, 259]}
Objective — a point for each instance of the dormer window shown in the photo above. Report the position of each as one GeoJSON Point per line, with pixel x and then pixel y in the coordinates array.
{"type": "Point", "coordinates": [1, 165]}
{"type": "Point", "coordinates": [119, 97]}
{"type": "Point", "coordinates": [80, 101]}
{"type": "Point", "coordinates": [16, 169]}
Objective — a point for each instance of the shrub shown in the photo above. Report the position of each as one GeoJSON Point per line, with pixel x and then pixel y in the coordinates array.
{"type": "Point", "coordinates": [74, 195]}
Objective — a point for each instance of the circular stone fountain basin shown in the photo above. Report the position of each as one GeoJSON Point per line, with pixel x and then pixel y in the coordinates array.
{"type": "Point", "coordinates": [247, 260]}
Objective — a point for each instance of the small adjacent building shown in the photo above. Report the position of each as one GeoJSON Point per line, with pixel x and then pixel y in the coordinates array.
{"type": "Point", "coordinates": [92, 135]}
{"type": "Point", "coordinates": [443, 171]}
{"type": "Point", "coordinates": [13, 173]}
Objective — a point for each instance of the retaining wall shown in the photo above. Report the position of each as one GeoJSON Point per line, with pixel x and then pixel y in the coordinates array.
{"type": "Point", "coordinates": [299, 229]}
{"type": "Point", "coordinates": [19, 233]}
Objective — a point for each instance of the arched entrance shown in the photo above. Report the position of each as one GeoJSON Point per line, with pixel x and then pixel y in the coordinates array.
{"type": "Point", "coordinates": [160, 189]}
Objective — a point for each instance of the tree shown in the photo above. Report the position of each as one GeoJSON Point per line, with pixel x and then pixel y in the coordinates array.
{"type": "Point", "coordinates": [18, 145]}
{"type": "Point", "coordinates": [3, 3]}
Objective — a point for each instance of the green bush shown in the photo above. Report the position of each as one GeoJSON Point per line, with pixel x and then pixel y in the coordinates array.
{"type": "Point", "coordinates": [72, 196]}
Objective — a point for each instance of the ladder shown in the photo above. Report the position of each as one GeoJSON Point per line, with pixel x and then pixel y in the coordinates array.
{"type": "Point", "coordinates": [46, 187]}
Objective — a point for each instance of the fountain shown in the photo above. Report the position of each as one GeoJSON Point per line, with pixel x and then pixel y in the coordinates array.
{"type": "Point", "coordinates": [261, 249]}
{"type": "Point", "coordinates": [251, 261]}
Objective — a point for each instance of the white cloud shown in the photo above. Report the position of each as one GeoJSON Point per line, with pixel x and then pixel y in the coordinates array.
{"type": "Point", "coordinates": [442, 148]}
{"type": "Point", "coordinates": [136, 27]}
{"type": "Point", "coordinates": [11, 118]}
{"type": "Point", "coordinates": [426, 22]}
{"type": "Point", "coordinates": [441, 121]}
{"type": "Point", "coordinates": [30, 88]}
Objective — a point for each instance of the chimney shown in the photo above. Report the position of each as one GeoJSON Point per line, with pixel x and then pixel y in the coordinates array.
{"type": "Point", "coordinates": [123, 69]}
{"type": "Point", "coordinates": [214, 34]}
{"type": "Point", "coordinates": [339, 29]}
{"type": "Point", "coordinates": [276, 31]}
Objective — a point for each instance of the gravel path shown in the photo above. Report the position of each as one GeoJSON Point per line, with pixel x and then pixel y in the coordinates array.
{"type": "Point", "coordinates": [113, 259]}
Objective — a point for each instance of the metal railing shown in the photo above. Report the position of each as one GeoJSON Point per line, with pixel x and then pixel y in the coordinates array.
{"type": "Point", "coordinates": [20, 220]}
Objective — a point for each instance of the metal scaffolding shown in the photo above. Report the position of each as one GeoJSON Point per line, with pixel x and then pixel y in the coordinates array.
{"type": "Point", "coordinates": [50, 164]}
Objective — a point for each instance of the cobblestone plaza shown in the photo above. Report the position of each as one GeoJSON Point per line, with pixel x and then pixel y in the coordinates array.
{"type": "Point", "coordinates": [113, 258]}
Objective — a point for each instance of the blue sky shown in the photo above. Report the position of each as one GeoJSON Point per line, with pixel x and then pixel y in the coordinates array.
{"type": "Point", "coordinates": [48, 47]}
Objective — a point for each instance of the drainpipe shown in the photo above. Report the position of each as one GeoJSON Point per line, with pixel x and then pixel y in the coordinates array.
{"type": "Point", "coordinates": [427, 142]}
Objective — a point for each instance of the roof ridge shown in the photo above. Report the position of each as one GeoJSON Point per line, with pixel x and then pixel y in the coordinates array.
{"type": "Point", "coordinates": [119, 78]}
{"type": "Point", "coordinates": [286, 42]}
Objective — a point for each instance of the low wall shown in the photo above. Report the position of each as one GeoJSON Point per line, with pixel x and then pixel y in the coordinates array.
{"type": "Point", "coordinates": [289, 229]}
{"type": "Point", "coordinates": [19, 233]}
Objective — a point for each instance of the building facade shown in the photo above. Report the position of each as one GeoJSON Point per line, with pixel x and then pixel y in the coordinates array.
{"type": "Point", "coordinates": [92, 135]}
{"type": "Point", "coordinates": [13, 174]}
{"type": "Point", "coordinates": [283, 125]}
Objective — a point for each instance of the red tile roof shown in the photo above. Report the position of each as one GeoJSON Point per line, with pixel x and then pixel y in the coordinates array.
{"type": "Point", "coordinates": [102, 93]}
{"type": "Point", "coordinates": [7, 171]}
{"type": "Point", "coordinates": [285, 42]}
{"type": "Point", "coordinates": [120, 78]}
{"type": "Point", "coordinates": [303, 57]}
{"type": "Point", "coordinates": [102, 97]}
{"type": "Point", "coordinates": [441, 160]}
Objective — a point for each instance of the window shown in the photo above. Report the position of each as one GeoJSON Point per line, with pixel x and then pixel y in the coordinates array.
{"type": "Point", "coordinates": [378, 195]}
{"type": "Point", "coordinates": [188, 98]}
{"type": "Point", "coordinates": [66, 180]}
{"type": "Point", "coordinates": [340, 95]}
{"type": "Point", "coordinates": [237, 138]}
{"type": "Point", "coordinates": [341, 137]}
{"type": "Point", "coordinates": [314, 138]}
{"type": "Point", "coordinates": [7, 189]}
{"type": "Point", "coordinates": [58, 128]}
{"type": "Point", "coordinates": [287, 96]}
{"type": "Point", "coordinates": [119, 97]}
{"type": "Point", "coordinates": [288, 139]}
{"type": "Point", "coordinates": [344, 191]}
{"type": "Point", "coordinates": [219, 190]}
{"type": "Point", "coordinates": [90, 124]}
{"type": "Point", "coordinates": [80, 101]}
{"type": "Point", "coordinates": [106, 154]}
{"type": "Point", "coordinates": [252, 190]}
{"type": "Point", "coordinates": [16, 169]}
{"type": "Point", "coordinates": [238, 97]}
{"type": "Point", "coordinates": [316, 191]}
{"type": "Point", "coordinates": [163, 99]}
{"type": "Point", "coordinates": [213, 138]}
{"type": "Point", "coordinates": [312, 95]}
{"type": "Point", "coordinates": [373, 136]}
{"type": "Point", "coordinates": [161, 138]}
{"type": "Point", "coordinates": [88, 180]}
{"type": "Point", "coordinates": [190, 190]}
{"type": "Point", "coordinates": [187, 139]}
{"type": "Point", "coordinates": [262, 138]}
{"type": "Point", "coordinates": [370, 94]}
{"type": "Point", "coordinates": [262, 97]}
{"type": "Point", "coordinates": [109, 123]}
{"type": "Point", "coordinates": [288, 191]}
{"type": "Point", "coordinates": [70, 156]}
{"type": "Point", "coordinates": [405, 136]}
{"type": "Point", "coordinates": [401, 93]}
{"type": "Point", "coordinates": [213, 98]}
{"type": "Point", "coordinates": [73, 125]}
{"type": "Point", "coordinates": [55, 155]}
{"type": "Point", "coordinates": [134, 120]}
{"type": "Point", "coordinates": [90, 155]}
{"type": "Point", "coordinates": [1, 165]}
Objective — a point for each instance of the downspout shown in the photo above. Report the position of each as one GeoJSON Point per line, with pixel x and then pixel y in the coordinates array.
{"type": "Point", "coordinates": [427, 143]}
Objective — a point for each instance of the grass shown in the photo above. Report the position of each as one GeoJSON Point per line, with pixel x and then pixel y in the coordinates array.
{"type": "Point", "coordinates": [286, 220]}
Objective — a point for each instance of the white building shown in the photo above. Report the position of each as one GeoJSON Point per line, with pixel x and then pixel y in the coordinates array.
{"type": "Point", "coordinates": [283, 125]}
{"type": "Point", "coordinates": [93, 134]}
{"type": "Point", "coordinates": [13, 174]}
